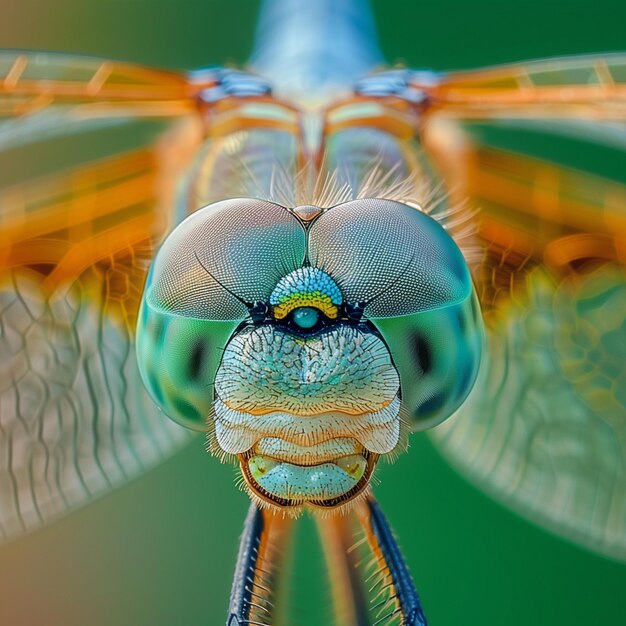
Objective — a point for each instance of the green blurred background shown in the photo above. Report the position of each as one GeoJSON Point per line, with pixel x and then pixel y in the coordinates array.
{"type": "Point", "coordinates": [160, 551]}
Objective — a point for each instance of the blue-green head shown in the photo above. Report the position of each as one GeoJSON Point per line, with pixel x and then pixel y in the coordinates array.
{"type": "Point", "coordinates": [307, 341]}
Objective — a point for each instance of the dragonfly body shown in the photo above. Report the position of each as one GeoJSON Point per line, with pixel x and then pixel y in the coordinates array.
{"type": "Point", "coordinates": [322, 299]}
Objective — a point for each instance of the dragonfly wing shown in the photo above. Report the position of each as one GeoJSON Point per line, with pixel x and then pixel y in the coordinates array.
{"type": "Point", "coordinates": [583, 87]}
{"type": "Point", "coordinates": [31, 81]}
{"type": "Point", "coordinates": [544, 429]}
{"type": "Point", "coordinates": [87, 192]}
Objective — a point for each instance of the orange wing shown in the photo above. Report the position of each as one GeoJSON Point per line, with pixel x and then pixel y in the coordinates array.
{"type": "Point", "coordinates": [30, 81]}
{"type": "Point", "coordinates": [590, 87]}
{"type": "Point", "coordinates": [92, 152]}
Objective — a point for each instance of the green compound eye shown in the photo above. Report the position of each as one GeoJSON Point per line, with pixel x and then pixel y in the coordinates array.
{"type": "Point", "coordinates": [188, 316]}
{"type": "Point", "coordinates": [306, 316]}
{"type": "Point", "coordinates": [383, 261]}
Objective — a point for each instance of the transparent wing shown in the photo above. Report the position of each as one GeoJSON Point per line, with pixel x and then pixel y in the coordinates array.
{"type": "Point", "coordinates": [592, 87]}
{"type": "Point", "coordinates": [545, 428]}
{"type": "Point", "coordinates": [31, 81]}
{"type": "Point", "coordinates": [92, 152]}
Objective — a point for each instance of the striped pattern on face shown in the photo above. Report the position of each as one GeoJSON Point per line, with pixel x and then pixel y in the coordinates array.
{"type": "Point", "coordinates": [306, 286]}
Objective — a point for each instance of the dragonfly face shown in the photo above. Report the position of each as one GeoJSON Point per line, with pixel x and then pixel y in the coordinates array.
{"type": "Point", "coordinates": [315, 325]}
{"type": "Point", "coordinates": [307, 337]}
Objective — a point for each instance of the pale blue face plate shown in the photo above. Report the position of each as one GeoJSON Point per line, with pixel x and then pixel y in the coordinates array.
{"type": "Point", "coordinates": [326, 481]}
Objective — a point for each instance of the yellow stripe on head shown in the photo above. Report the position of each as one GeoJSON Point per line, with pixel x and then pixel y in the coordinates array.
{"type": "Point", "coordinates": [306, 287]}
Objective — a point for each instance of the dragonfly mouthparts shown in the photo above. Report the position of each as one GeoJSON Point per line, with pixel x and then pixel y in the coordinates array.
{"type": "Point", "coordinates": [290, 485]}
{"type": "Point", "coordinates": [290, 460]}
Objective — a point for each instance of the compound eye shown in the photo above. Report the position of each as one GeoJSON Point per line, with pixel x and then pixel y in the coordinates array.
{"type": "Point", "coordinates": [215, 270]}
{"type": "Point", "coordinates": [306, 317]}
{"type": "Point", "coordinates": [393, 258]}
{"type": "Point", "coordinates": [224, 256]}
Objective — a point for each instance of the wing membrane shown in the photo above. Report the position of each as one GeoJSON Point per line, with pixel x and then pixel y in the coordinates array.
{"type": "Point", "coordinates": [74, 220]}
{"type": "Point", "coordinates": [545, 428]}
{"type": "Point", "coordinates": [31, 81]}
{"type": "Point", "coordinates": [591, 87]}
{"type": "Point", "coordinates": [85, 198]}
{"type": "Point", "coordinates": [537, 213]}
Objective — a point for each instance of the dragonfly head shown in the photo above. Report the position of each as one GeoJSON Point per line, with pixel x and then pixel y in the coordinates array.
{"type": "Point", "coordinates": [307, 348]}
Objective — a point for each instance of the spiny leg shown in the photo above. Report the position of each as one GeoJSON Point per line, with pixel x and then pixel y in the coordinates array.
{"type": "Point", "coordinates": [394, 592]}
{"type": "Point", "coordinates": [253, 592]}
{"type": "Point", "coordinates": [349, 599]}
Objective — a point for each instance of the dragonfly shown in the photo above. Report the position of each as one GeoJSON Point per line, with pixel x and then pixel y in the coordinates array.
{"type": "Point", "coordinates": [542, 427]}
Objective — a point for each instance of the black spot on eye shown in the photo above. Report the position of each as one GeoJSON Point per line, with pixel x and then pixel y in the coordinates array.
{"type": "Point", "coordinates": [197, 360]}
{"type": "Point", "coordinates": [475, 309]}
{"type": "Point", "coordinates": [466, 381]}
{"type": "Point", "coordinates": [155, 387]}
{"type": "Point", "coordinates": [187, 410]}
{"type": "Point", "coordinates": [461, 320]}
{"type": "Point", "coordinates": [430, 406]}
{"type": "Point", "coordinates": [422, 352]}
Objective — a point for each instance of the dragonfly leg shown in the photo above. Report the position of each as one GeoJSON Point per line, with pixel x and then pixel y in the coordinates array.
{"type": "Point", "coordinates": [394, 582]}
{"type": "Point", "coordinates": [349, 598]}
{"type": "Point", "coordinates": [253, 591]}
